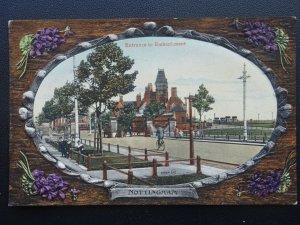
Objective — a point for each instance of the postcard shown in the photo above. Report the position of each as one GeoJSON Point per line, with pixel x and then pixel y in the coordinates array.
{"type": "Point", "coordinates": [153, 112]}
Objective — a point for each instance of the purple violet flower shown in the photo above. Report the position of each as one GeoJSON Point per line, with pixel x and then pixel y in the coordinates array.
{"type": "Point", "coordinates": [51, 187]}
{"type": "Point", "coordinates": [74, 194]}
{"type": "Point", "coordinates": [37, 173]}
{"type": "Point", "coordinates": [46, 40]}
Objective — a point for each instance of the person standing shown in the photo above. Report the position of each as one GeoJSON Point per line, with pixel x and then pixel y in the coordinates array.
{"type": "Point", "coordinates": [160, 134]}
{"type": "Point", "coordinates": [60, 145]}
{"type": "Point", "coordinates": [64, 148]}
{"type": "Point", "coordinates": [80, 146]}
{"type": "Point", "coordinates": [176, 132]}
{"type": "Point", "coordinates": [69, 145]}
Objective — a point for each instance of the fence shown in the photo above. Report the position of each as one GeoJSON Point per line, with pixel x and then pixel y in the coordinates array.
{"type": "Point", "coordinates": [230, 135]}
{"type": "Point", "coordinates": [155, 163]}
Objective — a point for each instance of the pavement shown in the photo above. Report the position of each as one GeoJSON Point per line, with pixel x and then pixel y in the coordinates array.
{"type": "Point", "coordinates": [174, 168]}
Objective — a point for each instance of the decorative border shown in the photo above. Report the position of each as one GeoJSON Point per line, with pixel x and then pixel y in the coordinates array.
{"type": "Point", "coordinates": [150, 30]}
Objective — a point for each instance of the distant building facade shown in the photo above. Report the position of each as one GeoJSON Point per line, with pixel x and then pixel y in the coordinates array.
{"type": "Point", "coordinates": [174, 107]}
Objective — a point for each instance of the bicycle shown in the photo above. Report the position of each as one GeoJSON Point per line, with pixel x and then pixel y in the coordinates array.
{"type": "Point", "coordinates": [160, 146]}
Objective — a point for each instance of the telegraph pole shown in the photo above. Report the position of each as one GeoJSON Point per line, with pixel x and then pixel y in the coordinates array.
{"type": "Point", "coordinates": [191, 131]}
{"type": "Point", "coordinates": [244, 77]}
{"type": "Point", "coordinates": [76, 108]}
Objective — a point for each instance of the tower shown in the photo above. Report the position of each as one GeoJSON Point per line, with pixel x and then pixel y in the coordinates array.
{"type": "Point", "coordinates": [161, 85]}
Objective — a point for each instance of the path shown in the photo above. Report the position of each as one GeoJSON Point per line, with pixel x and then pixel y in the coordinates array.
{"type": "Point", "coordinates": [174, 168]}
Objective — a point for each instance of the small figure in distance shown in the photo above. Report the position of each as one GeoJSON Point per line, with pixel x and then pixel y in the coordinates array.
{"type": "Point", "coordinates": [80, 146]}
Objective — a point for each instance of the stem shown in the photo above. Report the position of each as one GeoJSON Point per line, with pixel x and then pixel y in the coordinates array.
{"type": "Point", "coordinates": [28, 173]}
{"type": "Point", "coordinates": [22, 60]}
{"type": "Point", "coordinates": [27, 164]}
{"type": "Point", "coordinates": [24, 69]}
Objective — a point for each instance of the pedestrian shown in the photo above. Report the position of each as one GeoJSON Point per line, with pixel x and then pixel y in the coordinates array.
{"type": "Point", "coordinates": [176, 132]}
{"type": "Point", "coordinates": [64, 148]}
{"type": "Point", "coordinates": [180, 133]}
{"type": "Point", "coordinates": [160, 134]}
{"type": "Point", "coordinates": [80, 146]}
{"type": "Point", "coordinates": [69, 145]}
{"type": "Point", "coordinates": [60, 145]}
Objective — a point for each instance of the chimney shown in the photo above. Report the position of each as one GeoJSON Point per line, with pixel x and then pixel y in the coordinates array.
{"type": "Point", "coordinates": [121, 99]}
{"type": "Point", "coordinates": [185, 104]}
{"type": "Point", "coordinates": [174, 92]}
{"type": "Point", "coordinates": [150, 87]}
{"type": "Point", "coordinates": [138, 100]}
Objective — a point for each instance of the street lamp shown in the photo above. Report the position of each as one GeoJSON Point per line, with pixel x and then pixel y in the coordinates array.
{"type": "Point", "coordinates": [244, 77]}
{"type": "Point", "coordinates": [76, 109]}
{"type": "Point", "coordinates": [190, 98]}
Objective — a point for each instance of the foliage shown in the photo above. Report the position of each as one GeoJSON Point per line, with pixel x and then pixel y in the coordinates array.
{"type": "Point", "coordinates": [62, 103]}
{"type": "Point", "coordinates": [282, 41]}
{"type": "Point", "coordinates": [202, 101]}
{"type": "Point", "coordinates": [102, 76]}
{"type": "Point", "coordinates": [27, 179]}
{"type": "Point", "coordinates": [50, 110]}
{"type": "Point", "coordinates": [44, 41]}
{"type": "Point", "coordinates": [105, 119]}
{"type": "Point", "coordinates": [126, 115]}
{"type": "Point", "coordinates": [153, 110]}
{"type": "Point", "coordinates": [40, 118]}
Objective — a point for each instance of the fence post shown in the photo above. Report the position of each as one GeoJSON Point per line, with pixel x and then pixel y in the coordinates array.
{"type": "Point", "coordinates": [108, 147]}
{"type": "Point", "coordinates": [198, 171]}
{"type": "Point", "coordinates": [263, 139]}
{"type": "Point", "coordinates": [166, 158]}
{"type": "Point", "coordinates": [130, 177]}
{"type": "Point", "coordinates": [129, 149]}
{"type": "Point", "coordinates": [89, 163]}
{"type": "Point", "coordinates": [85, 141]}
{"type": "Point", "coordinates": [104, 170]}
{"type": "Point", "coordinates": [154, 166]}
{"type": "Point", "coordinates": [89, 142]}
{"type": "Point", "coordinates": [146, 154]}
{"type": "Point", "coordinates": [118, 149]}
{"type": "Point", "coordinates": [129, 161]}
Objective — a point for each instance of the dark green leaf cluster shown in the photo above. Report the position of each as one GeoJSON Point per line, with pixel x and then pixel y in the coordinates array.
{"type": "Point", "coordinates": [202, 100]}
{"type": "Point", "coordinates": [103, 76]}
{"type": "Point", "coordinates": [153, 110]}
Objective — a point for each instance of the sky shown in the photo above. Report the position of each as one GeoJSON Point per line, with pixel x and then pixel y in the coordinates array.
{"type": "Point", "coordinates": [187, 64]}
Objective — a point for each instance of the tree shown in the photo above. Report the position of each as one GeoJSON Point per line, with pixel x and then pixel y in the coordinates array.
{"type": "Point", "coordinates": [50, 110]}
{"type": "Point", "coordinates": [103, 76]}
{"type": "Point", "coordinates": [62, 103]}
{"type": "Point", "coordinates": [153, 110]}
{"type": "Point", "coordinates": [202, 101]}
{"type": "Point", "coordinates": [40, 118]}
{"type": "Point", "coordinates": [126, 115]}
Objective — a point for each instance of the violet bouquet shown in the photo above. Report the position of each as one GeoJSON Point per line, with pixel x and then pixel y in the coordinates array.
{"type": "Point", "coordinates": [49, 187]}
{"type": "Point", "coordinates": [271, 39]}
{"type": "Point", "coordinates": [44, 41]}
{"type": "Point", "coordinates": [263, 184]}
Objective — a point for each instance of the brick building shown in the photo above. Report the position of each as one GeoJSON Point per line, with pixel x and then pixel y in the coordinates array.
{"type": "Point", "coordinates": [174, 107]}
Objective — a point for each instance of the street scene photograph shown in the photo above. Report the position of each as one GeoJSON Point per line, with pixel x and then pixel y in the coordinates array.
{"type": "Point", "coordinates": [155, 111]}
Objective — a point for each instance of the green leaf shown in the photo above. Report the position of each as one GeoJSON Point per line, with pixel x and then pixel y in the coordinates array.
{"type": "Point", "coordinates": [25, 43]}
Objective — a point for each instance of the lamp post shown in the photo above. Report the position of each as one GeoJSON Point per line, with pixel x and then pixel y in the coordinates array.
{"type": "Point", "coordinates": [76, 109]}
{"type": "Point", "coordinates": [244, 77]}
{"type": "Point", "coordinates": [190, 98]}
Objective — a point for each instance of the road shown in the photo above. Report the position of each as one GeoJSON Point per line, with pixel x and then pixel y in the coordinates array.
{"type": "Point", "coordinates": [235, 153]}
